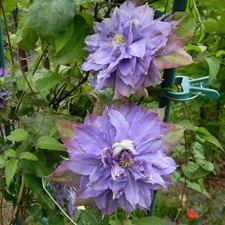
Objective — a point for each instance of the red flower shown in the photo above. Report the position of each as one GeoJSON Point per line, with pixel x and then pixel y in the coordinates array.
{"type": "Point", "coordinates": [191, 214]}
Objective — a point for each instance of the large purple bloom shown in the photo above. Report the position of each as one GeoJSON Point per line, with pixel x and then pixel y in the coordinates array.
{"type": "Point", "coordinates": [119, 157]}
{"type": "Point", "coordinates": [128, 48]}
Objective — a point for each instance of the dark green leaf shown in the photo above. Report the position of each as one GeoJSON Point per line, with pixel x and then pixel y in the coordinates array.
{"type": "Point", "coordinates": [90, 216]}
{"type": "Point", "coordinates": [35, 184]}
{"type": "Point", "coordinates": [54, 17]}
{"type": "Point", "coordinates": [198, 188]}
{"type": "Point", "coordinates": [73, 49]}
{"type": "Point", "coordinates": [25, 35]}
{"type": "Point", "coordinates": [41, 167]}
{"type": "Point", "coordinates": [149, 220]}
{"type": "Point", "coordinates": [35, 210]}
{"type": "Point", "coordinates": [47, 83]}
{"type": "Point", "coordinates": [47, 142]}
{"type": "Point", "coordinates": [56, 219]}
{"type": "Point", "coordinates": [10, 170]}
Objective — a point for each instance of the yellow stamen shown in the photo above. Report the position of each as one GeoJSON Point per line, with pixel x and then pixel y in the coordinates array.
{"type": "Point", "coordinates": [120, 39]}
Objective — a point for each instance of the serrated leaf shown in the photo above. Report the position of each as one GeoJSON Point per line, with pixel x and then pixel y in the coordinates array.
{"type": "Point", "coordinates": [54, 17]}
{"type": "Point", "coordinates": [149, 220]}
{"type": "Point", "coordinates": [47, 142]}
{"type": "Point", "coordinates": [18, 135]}
{"type": "Point", "coordinates": [28, 156]}
{"type": "Point", "coordinates": [47, 83]}
{"type": "Point", "coordinates": [10, 170]}
{"type": "Point", "coordinates": [11, 153]}
{"type": "Point", "coordinates": [214, 66]}
{"type": "Point", "coordinates": [73, 50]}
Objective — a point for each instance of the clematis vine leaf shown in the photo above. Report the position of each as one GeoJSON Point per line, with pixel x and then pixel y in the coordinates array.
{"type": "Point", "coordinates": [66, 129]}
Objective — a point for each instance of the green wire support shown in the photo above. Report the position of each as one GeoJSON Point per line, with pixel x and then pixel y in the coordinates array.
{"type": "Point", "coordinates": [168, 82]}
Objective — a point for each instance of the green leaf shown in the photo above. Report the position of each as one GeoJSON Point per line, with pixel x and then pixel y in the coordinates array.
{"type": "Point", "coordinates": [47, 83]}
{"type": "Point", "coordinates": [28, 156]}
{"type": "Point", "coordinates": [54, 17]}
{"type": "Point", "coordinates": [25, 35]}
{"type": "Point", "coordinates": [66, 129]}
{"type": "Point", "coordinates": [40, 168]}
{"type": "Point", "coordinates": [188, 125]}
{"type": "Point", "coordinates": [61, 42]}
{"type": "Point", "coordinates": [198, 188]}
{"type": "Point", "coordinates": [10, 170]}
{"type": "Point", "coordinates": [80, 2]}
{"type": "Point", "coordinates": [214, 66]}
{"type": "Point", "coordinates": [214, 141]}
{"type": "Point", "coordinates": [208, 166]}
{"type": "Point", "coordinates": [11, 153]}
{"type": "Point", "coordinates": [149, 220]}
{"type": "Point", "coordinates": [9, 5]}
{"type": "Point", "coordinates": [18, 135]}
{"type": "Point", "coordinates": [198, 48]}
{"type": "Point", "coordinates": [73, 50]}
{"type": "Point", "coordinates": [35, 184]}
{"type": "Point", "coordinates": [219, 53]}
{"type": "Point", "coordinates": [35, 210]}
{"type": "Point", "coordinates": [90, 216]}
{"type": "Point", "coordinates": [189, 168]}
{"type": "Point", "coordinates": [187, 25]}
{"type": "Point", "coordinates": [203, 131]}
{"type": "Point", "coordinates": [47, 142]}
{"type": "Point", "coordinates": [56, 219]}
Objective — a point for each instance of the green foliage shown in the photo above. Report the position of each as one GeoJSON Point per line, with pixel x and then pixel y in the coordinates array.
{"type": "Point", "coordinates": [54, 17]}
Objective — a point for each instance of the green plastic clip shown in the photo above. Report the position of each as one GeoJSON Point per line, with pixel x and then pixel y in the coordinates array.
{"type": "Point", "coordinates": [191, 88]}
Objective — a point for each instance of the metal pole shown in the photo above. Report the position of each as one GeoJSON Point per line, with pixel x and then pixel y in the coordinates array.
{"type": "Point", "coordinates": [168, 82]}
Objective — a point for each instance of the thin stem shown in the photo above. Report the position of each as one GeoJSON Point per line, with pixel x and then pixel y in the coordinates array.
{"type": "Point", "coordinates": [42, 55]}
{"type": "Point", "coordinates": [17, 108]}
{"type": "Point", "coordinates": [7, 31]}
{"type": "Point", "coordinates": [19, 199]}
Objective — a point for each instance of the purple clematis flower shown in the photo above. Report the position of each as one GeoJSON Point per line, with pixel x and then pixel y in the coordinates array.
{"type": "Point", "coordinates": [119, 158]}
{"type": "Point", "coordinates": [128, 49]}
{"type": "Point", "coordinates": [64, 196]}
{"type": "Point", "coordinates": [3, 94]}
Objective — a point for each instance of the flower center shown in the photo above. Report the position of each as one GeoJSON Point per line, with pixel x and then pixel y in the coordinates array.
{"type": "Point", "coordinates": [123, 153]}
{"type": "Point", "coordinates": [120, 39]}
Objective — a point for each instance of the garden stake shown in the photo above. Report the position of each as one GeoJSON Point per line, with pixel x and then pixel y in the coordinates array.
{"type": "Point", "coordinates": [168, 82]}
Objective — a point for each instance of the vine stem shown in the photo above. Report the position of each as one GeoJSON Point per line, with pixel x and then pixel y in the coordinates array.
{"type": "Point", "coordinates": [19, 199]}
